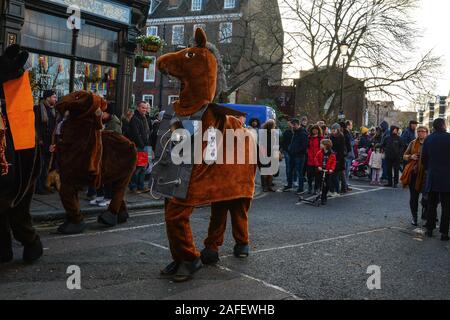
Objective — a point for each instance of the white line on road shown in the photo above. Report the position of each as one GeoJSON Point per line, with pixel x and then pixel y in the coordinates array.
{"type": "Point", "coordinates": [145, 226]}
{"type": "Point", "coordinates": [266, 284]}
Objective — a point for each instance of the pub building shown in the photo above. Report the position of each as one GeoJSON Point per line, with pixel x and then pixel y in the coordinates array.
{"type": "Point", "coordinates": [99, 56]}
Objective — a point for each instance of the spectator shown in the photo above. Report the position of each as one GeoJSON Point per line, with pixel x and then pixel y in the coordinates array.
{"type": "Point", "coordinates": [45, 118]}
{"type": "Point", "coordinates": [364, 140]}
{"type": "Point", "coordinates": [435, 158]}
{"type": "Point", "coordinates": [376, 164]}
{"type": "Point", "coordinates": [414, 174]}
{"type": "Point", "coordinates": [286, 140]}
{"type": "Point", "coordinates": [267, 180]}
{"type": "Point", "coordinates": [326, 164]}
{"type": "Point", "coordinates": [126, 123]}
{"type": "Point", "coordinates": [139, 134]}
{"type": "Point", "coordinates": [338, 140]}
{"type": "Point", "coordinates": [393, 147]}
{"type": "Point", "coordinates": [349, 152]}
{"type": "Point", "coordinates": [297, 153]}
{"type": "Point", "coordinates": [409, 135]}
{"type": "Point", "coordinates": [315, 137]}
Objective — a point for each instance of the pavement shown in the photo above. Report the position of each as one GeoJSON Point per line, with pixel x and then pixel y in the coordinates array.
{"type": "Point", "coordinates": [297, 252]}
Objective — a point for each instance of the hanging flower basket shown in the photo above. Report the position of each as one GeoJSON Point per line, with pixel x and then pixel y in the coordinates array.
{"type": "Point", "coordinates": [143, 61]}
{"type": "Point", "coordinates": [150, 43]}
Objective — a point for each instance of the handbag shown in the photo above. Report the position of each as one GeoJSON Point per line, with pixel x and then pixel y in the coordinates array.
{"type": "Point", "coordinates": [142, 159]}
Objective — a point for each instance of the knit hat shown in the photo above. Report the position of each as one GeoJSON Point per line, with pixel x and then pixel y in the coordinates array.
{"type": "Point", "coordinates": [336, 126]}
{"type": "Point", "coordinates": [110, 108]}
{"type": "Point", "coordinates": [48, 94]}
{"type": "Point", "coordinates": [364, 130]}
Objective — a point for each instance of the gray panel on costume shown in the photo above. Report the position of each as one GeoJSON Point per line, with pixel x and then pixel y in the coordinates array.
{"type": "Point", "coordinates": [170, 180]}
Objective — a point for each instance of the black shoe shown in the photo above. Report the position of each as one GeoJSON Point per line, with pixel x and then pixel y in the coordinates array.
{"type": "Point", "coordinates": [72, 228]}
{"type": "Point", "coordinates": [123, 217]}
{"type": "Point", "coordinates": [170, 270]}
{"type": "Point", "coordinates": [209, 257]}
{"type": "Point", "coordinates": [324, 202]}
{"type": "Point", "coordinates": [415, 223]}
{"type": "Point", "coordinates": [445, 238]}
{"type": "Point", "coordinates": [395, 186]}
{"type": "Point", "coordinates": [287, 189]}
{"type": "Point", "coordinates": [186, 270]}
{"type": "Point", "coordinates": [33, 252]}
{"type": "Point", "coordinates": [6, 252]}
{"type": "Point", "coordinates": [108, 219]}
{"type": "Point", "coordinates": [429, 234]}
{"type": "Point", "coordinates": [241, 251]}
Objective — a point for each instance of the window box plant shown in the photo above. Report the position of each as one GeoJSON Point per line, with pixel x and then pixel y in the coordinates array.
{"type": "Point", "coordinates": [142, 61]}
{"type": "Point", "coordinates": [150, 43]}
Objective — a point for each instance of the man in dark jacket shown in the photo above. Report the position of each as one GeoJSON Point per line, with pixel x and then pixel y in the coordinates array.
{"type": "Point", "coordinates": [436, 159]}
{"type": "Point", "coordinates": [139, 134]}
{"type": "Point", "coordinates": [284, 147]}
{"type": "Point", "coordinates": [409, 135]}
{"type": "Point", "coordinates": [297, 153]}
{"type": "Point", "coordinates": [45, 119]}
{"type": "Point", "coordinates": [393, 147]}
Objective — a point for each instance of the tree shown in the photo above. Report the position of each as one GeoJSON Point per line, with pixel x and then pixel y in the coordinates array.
{"type": "Point", "coordinates": [381, 35]}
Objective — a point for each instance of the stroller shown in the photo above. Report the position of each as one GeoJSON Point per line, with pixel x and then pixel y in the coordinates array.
{"type": "Point", "coordinates": [360, 166]}
{"type": "Point", "coordinates": [316, 200]}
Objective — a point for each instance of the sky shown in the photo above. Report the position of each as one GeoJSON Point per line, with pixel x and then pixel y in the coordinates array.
{"type": "Point", "coordinates": [432, 17]}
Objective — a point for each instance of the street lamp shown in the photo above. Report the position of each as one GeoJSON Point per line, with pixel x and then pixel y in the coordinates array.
{"type": "Point", "coordinates": [343, 48]}
{"type": "Point", "coordinates": [378, 113]}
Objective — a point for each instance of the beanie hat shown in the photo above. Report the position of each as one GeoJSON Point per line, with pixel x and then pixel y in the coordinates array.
{"type": "Point", "coordinates": [364, 130]}
{"type": "Point", "coordinates": [48, 94]}
{"type": "Point", "coordinates": [336, 126]}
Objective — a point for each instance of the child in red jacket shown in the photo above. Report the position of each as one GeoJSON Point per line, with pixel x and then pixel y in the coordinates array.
{"type": "Point", "coordinates": [326, 165]}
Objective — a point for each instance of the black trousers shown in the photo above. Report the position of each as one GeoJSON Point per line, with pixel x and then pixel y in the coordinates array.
{"type": "Point", "coordinates": [393, 165]}
{"type": "Point", "coordinates": [313, 178]}
{"type": "Point", "coordinates": [323, 184]}
{"type": "Point", "coordinates": [18, 221]}
{"type": "Point", "coordinates": [45, 162]}
{"type": "Point", "coordinates": [433, 200]}
{"type": "Point", "coordinates": [414, 198]}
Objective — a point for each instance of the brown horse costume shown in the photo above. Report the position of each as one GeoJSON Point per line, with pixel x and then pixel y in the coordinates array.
{"type": "Point", "coordinates": [228, 187]}
{"type": "Point", "coordinates": [90, 156]}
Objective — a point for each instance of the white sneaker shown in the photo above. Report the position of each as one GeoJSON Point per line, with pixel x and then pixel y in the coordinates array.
{"type": "Point", "coordinates": [96, 201]}
{"type": "Point", "coordinates": [104, 203]}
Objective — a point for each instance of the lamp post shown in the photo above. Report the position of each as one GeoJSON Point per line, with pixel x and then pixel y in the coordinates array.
{"type": "Point", "coordinates": [343, 48]}
{"type": "Point", "coordinates": [378, 113]}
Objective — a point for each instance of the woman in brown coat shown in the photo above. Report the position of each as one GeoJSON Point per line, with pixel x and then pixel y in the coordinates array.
{"type": "Point", "coordinates": [414, 173]}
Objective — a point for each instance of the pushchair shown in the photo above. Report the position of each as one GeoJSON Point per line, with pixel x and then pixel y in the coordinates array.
{"type": "Point", "coordinates": [316, 200]}
{"type": "Point", "coordinates": [360, 166]}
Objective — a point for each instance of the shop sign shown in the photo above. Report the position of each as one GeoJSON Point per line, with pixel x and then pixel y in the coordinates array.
{"type": "Point", "coordinates": [106, 9]}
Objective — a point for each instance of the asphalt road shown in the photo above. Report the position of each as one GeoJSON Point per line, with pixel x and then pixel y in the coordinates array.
{"type": "Point", "coordinates": [298, 252]}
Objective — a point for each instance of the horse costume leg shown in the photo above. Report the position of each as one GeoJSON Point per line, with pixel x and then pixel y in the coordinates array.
{"type": "Point", "coordinates": [6, 253]}
{"type": "Point", "coordinates": [117, 211]}
{"type": "Point", "coordinates": [74, 223]}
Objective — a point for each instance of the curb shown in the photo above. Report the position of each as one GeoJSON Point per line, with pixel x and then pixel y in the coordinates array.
{"type": "Point", "coordinates": [48, 216]}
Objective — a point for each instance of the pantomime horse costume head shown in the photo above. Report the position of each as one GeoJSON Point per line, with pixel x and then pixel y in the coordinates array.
{"type": "Point", "coordinates": [227, 187]}
{"type": "Point", "coordinates": [19, 157]}
{"type": "Point", "coordinates": [89, 156]}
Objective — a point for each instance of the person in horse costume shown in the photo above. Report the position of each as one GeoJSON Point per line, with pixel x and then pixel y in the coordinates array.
{"type": "Point", "coordinates": [89, 156]}
{"type": "Point", "coordinates": [227, 187]}
{"type": "Point", "coordinates": [19, 157]}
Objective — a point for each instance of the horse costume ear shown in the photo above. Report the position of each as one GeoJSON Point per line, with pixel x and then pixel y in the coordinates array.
{"type": "Point", "coordinates": [200, 38]}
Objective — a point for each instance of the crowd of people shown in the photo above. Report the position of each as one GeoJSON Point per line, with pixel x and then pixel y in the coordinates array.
{"type": "Point", "coordinates": [320, 159]}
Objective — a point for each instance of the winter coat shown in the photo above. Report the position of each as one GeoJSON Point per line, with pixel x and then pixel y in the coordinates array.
{"type": "Point", "coordinates": [436, 159]}
{"type": "Point", "coordinates": [408, 136]}
{"type": "Point", "coordinates": [286, 140]}
{"type": "Point", "coordinates": [393, 147]}
{"type": "Point", "coordinates": [45, 119]}
{"type": "Point", "coordinates": [299, 144]}
{"type": "Point", "coordinates": [339, 150]}
{"type": "Point", "coordinates": [331, 163]}
{"type": "Point", "coordinates": [139, 131]}
{"type": "Point", "coordinates": [313, 149]}
{"type": "Point", "coordinates": [349, 144]}
{"type": "Point", "coordinates": [113, 124]}
{"type": "Point", "coordinates": [376, 160]}
{"type": "Point", "coordinates": [365, 142]}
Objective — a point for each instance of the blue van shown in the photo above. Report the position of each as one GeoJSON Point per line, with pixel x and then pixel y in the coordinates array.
{"type": "Point", "coordinates": [262, 113]}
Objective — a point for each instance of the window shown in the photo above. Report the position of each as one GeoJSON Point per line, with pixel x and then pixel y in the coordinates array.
{"type": "Point", "coordinates": [153, 5]}
{"type": "Point", "coordinates": [229, 4]}
{"type": "Point", "coordinates": [225, 32]}
{"type": "Point", "coordinates": [201, 25]}
{"type": "Point", "coordinates": [172, 99]}
{"type": "Point", "coordinates": [150, 72]}
{"type": "Point", "coordinates": [178, 35]}
{"type": "Point", "coordinates": [148, 98]}
{"type": "Point", "coordinates": [152, 31]}
{"type": "Point", "coordinates": [196, 5]}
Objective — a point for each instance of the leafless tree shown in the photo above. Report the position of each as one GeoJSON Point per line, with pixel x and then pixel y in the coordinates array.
{"type": "Point", "coordinates": [382, 37]}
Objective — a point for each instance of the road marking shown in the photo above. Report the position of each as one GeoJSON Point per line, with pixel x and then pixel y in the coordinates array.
{"type": "Point", "coordinates": [348, 195]}
{"type": "Point", "coordinates": [146, 226]}
{"type": "Point", "coordinates": [265, 283]}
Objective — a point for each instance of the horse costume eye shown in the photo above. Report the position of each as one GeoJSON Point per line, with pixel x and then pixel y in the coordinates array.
{"type": "Point", "coordinates": [190, 55]}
